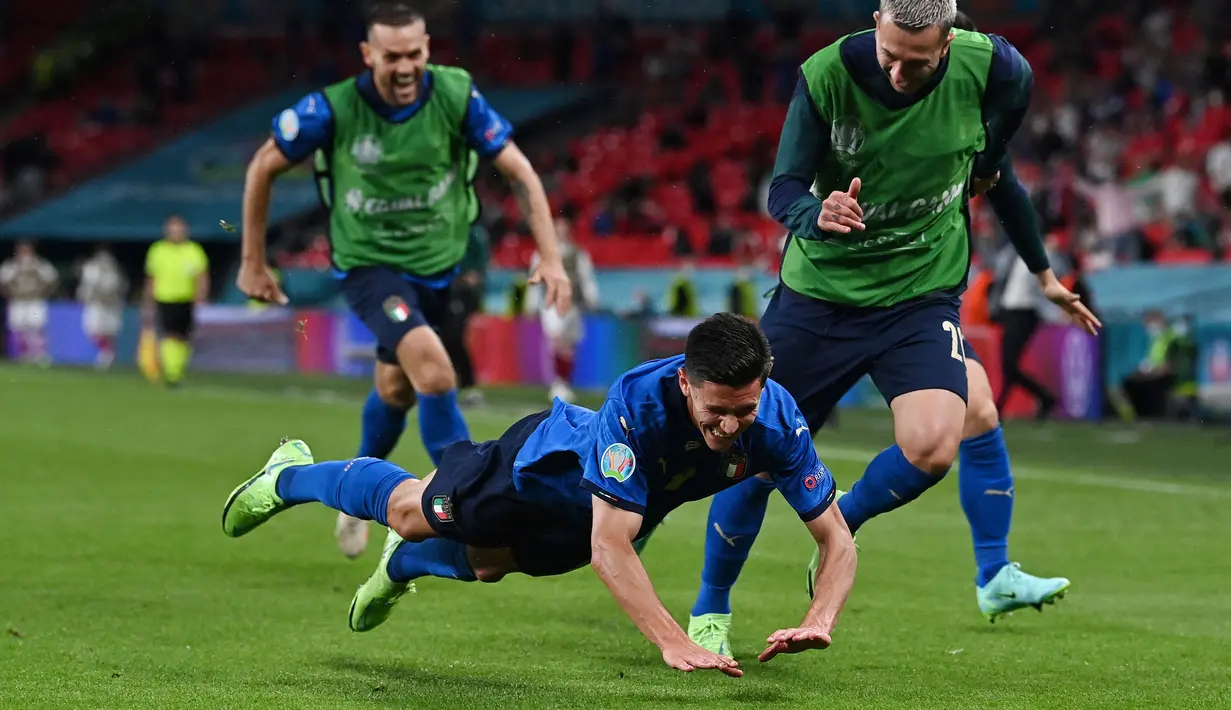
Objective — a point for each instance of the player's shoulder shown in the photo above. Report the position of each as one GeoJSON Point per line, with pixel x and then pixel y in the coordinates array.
{"type": "Point", "coordinates": [971, 38]}
{"type": "Point", "coordinates": [778, 415]}
{"type": "Point", "coordinates": [641, 391]}
{"type": "Point", "coordinates": [451, 73]}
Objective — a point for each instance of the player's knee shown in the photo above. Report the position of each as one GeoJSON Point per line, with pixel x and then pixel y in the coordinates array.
{"type": "Point", "coordinates": [395, 391]}
{"type": "Point", "coordinates": [489, 574]}
{"type": "Point", "coordinates": [981, 417]}
{"type": "Point", "coordinates": [434, 378]}
{"type": "Point", "coordinates": [426, 362]}
{"type": "Point", "coordinates": [933, 452]}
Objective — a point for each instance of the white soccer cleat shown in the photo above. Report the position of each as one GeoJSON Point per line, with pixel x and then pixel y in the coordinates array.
{"type": "Point", "coordinates": [352, 535]}
{"type": "Point", "coordinates": [560, 389]}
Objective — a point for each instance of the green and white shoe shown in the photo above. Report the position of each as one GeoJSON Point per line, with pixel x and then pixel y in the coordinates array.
{"type": "Point", "coordinates": [1012, 589]}
{"type": "Point", "coordinates": [375, 599]}
{"type": "Point", "coordinates": [256, 500]}
{"type": "Point", "coordinates": [711, 631]}
{"type": "Point", "coordinates": [814, 564]}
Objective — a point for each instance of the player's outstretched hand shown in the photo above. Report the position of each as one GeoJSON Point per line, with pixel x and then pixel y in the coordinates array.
{"type": "Point", "coordinates": [555, 280]}
{"type": "Point", "coordinates": [794, 641]}
{"type": "Point", "coordinates": [840, 212]}
{"type": "Point", "coordinates": [1060, 295]}
{"type": "Point", "coordinates": [257, 281]}
{"type": "Point", "coordinates": [690, 657]}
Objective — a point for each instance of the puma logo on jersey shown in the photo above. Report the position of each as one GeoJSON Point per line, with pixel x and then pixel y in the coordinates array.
{"type": "Point", "coordinates": [729, 539]}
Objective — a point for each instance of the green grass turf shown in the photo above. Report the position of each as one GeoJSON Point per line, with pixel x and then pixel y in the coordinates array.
{"type": "Point", "coordinates": [119, 590]}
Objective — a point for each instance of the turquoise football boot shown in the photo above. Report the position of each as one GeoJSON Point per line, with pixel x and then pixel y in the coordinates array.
{"type": "Point", "coordinates": [256, 500]}
{"type": "Point", "coordinates": [1012, 589]}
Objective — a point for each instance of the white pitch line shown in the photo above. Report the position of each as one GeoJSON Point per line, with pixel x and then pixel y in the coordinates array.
{"type": "Point", "coordinates": [1075, 477]}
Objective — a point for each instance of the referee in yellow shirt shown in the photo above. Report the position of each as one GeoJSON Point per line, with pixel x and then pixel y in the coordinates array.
{"type": "Point", "coordinates": [176, 279]}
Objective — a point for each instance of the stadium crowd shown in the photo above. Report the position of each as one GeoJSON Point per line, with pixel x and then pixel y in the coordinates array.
{"type": "Point", "coordinates": [1127, 150]}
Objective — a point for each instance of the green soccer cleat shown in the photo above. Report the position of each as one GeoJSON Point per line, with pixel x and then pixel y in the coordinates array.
{"type": "Point", "coordinates": [256, 500]}
{"type": "Point", "coordinates": [710, 631]}
{"type": "Point", "coordinates": [814, 565]}
{"type": "Point", "coordinates": [375, 600]}
{"type": "Point", "coordinates": [1012, 589]}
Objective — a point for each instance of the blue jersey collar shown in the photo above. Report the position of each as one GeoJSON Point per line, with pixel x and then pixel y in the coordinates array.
{"type": "Point", "coordinates": [393, 114]}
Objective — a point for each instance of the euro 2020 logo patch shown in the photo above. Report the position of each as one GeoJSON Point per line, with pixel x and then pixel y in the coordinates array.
{"type": "Point", "coordinates": [288, 125]}
{"type": "Point", "coordinates": [846, 136]}
{"type": "Point", "coordinates": [618, 462]}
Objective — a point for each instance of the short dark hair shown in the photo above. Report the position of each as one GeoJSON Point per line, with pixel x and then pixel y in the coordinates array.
{"type": "Point", "coordinates": [727, 349]}
{"type": "Point", "coordinates": [962, 21]}
{"type": "Point", "coordinates": [391, 13]}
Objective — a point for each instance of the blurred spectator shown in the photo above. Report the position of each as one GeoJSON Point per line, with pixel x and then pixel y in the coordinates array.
{"type": "Point", "coordinates": [1165, 383]}
{"type": "Point", "coordinates": [102, 290]}
{"type": "Point", "coordinates": [27, 280]}
{"type": "Point", "coordinates": [465, 300]}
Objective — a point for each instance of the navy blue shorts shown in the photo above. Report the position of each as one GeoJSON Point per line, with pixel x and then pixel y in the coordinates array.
{"type": "Point", "coordinates": [822, 349]}
{"type": "Point", "coordinates": [473, 499]}
{"type": "Point", "coordinates": [391, 305]}
{"type": "Point", "coordinates": [969, 351]}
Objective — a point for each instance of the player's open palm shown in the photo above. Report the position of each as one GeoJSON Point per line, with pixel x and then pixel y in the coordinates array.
{"type": "Point", "coordinates": [840, 212]}
{"type": "Point", "coordinates": [794, 641]}
{"type": "Point", "coordinates": [257, 281]}
{"type": "Point", "coordinates": [559, 291]}
{"type": "Point", "coordinates": [690, 657]}
{"type": "Point", "coordinates": [1060, 295]}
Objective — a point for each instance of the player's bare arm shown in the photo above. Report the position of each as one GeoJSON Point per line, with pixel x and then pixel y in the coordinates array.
{"type": "Point", "coordinates": [255, 278]}
{"type": "Point", "coordinates": [617, 564]}
{"type": "Point", "coordinates": [833, 585]}
{"type": "Point", "coordinates": [532, 201]}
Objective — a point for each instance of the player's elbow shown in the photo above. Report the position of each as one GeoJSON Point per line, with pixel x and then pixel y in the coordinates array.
{"type": "Point", "coordinates": [604, 550]}
{"type": "Point", "coordinates": [267, 163]}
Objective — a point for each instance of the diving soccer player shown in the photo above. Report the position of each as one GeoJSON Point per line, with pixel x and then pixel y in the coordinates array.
{"type": "Point", "coordinates": [571, 486]}
{"type": "Point", "coordinates": [888, 131]}
{"type": "Point", "coordinates": [395, 151]}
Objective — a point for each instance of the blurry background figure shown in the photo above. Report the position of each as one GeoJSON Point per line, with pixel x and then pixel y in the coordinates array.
{"type": "Point", "coordinates": [564, 330]}
{"type": "Point", "coordinates": [465, 300]}
{"type": "Point", "coordinates": [1017, 303]}
{"type": "Point", "coordinates": [1165, 383]}
{"type": "Point", "coordinates": [742, 295]}
{"type": "Point", "coordinates": [27, 281]}
{"type": "Point", "coordinates": [682, 293]}
{"type": "Point", "coordinates": [102, 291]}
{"type": "Point", "coordinates": [177, 278]}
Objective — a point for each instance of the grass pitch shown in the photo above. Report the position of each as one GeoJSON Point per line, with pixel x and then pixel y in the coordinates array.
{"type": "Point", "coordinates": [119, 590]}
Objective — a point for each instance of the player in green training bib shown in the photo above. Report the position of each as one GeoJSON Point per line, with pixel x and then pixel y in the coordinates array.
{"type": "Point", "coordinates": [395, 150]}
{"type": "Point", "coordinates": [887, 134]}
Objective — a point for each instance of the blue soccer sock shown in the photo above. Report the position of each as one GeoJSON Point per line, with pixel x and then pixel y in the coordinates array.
{"type": "Point", "coordinates": [735, 519]}
{"type": "Point", "coordinates": [440, 422]}
{"type": "Point", "coordinates": [383, 425]}
{"type": "Point", "coordinates": [889, 482]}
{"type": "Point", "coordinates": [359, 487]}
{"type": "Point", "coordinates": [985, 484]}
{"type": "Point", "coordinates": [434, 557]}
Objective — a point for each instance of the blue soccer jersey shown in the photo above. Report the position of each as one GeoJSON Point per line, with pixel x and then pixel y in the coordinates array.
{"type": "Point", "coordinates": [642, 452]}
